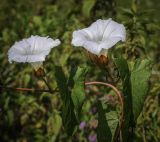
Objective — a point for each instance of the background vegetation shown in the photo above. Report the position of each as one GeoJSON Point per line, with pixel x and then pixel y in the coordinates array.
{"type": "Point", "coordinates": [35, 117]}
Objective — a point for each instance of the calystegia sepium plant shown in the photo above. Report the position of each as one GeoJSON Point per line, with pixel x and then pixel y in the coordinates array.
{"type": "Point", "coordinates": [120, 98]}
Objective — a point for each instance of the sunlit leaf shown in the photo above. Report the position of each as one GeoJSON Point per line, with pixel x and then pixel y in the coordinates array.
{"type": "Point", "coordinates": [54, 123]}
{"type": "Point", "coordinates": [126, 92]}
{"type": "Point", "coordinates": [113, 120]}
{"type": "Point", "coordinates": [87, 7]}
{"type": "Point", "coordinates": [139, 83]}
{"type": "Point", "coordinates": [78, 92]}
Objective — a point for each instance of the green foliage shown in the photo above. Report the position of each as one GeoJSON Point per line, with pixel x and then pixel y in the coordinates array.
{"type": "Point", "coordinates": [103, 131]}
{"type": "Point", "coordinates": [40, 117]}
{"type": "Point", "coordinates": [107, 123]}
{"type": "Point", "coordinates": [68, 115]}
{"type": "Point", "coordinates": [113, 121]}
{"type": "Point", "coordinates": [87, 7]}
{"type": "Point", "coordinates": [78, 92]}
{"type": "Point", "coordinates": [139, 84]}
{"type": "Point", "coordinates": [54, 123]}
{"type": "Point", "coordinates": [135, 87]}
{"type": "Point", "coordinates": [128, 111]}
{"type": "Point", "coordinates": [72, 94]}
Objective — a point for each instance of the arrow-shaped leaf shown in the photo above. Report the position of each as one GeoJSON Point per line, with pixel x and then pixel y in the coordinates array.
{"type": "Point", "coordinates": [78, 92]}
{"type": "Point", "coordinates": [139, 82]}
{"type": "Point", "coordinates": [68, 115]}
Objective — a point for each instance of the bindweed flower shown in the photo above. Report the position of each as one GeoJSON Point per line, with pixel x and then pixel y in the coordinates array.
{"type": "Point", "coordinates": [82, 125]}
{"type": "Point", "coordinates": [32, 50]}
{"type": "Point", "coordinates": [99, 37]}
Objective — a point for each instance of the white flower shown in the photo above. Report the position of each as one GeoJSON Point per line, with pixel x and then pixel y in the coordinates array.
{"type": "Point", "coordinates": [32, 50]}
{"type": "Point", "coordinates": [100, 36]}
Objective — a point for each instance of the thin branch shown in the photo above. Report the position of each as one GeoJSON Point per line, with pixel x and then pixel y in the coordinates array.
{"type": "Point", "coordinates": [27, 89]}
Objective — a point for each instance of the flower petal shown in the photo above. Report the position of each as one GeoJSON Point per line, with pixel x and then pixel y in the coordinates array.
{"type": "Point", "coordinates": [92, 47]}
{"type": "Point", "coordinates": [109, 43]}
{"type": "Point", "coordinates": [114, 29]}
{"type": "Point", "coordinates": [33, 49]}
{"type": "Point", "coordinates": [102, 34]}
{"type": "Point", "coordinates": [97, 28]}
{"type": "Point", "coordinates": [80, 36]}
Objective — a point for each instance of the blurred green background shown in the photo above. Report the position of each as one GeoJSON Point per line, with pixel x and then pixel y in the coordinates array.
{"type": "Point", "coordinates": [35, 117]}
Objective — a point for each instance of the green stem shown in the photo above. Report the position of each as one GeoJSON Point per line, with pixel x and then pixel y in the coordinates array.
{"type": "Point", "coordinates": [47, 84]}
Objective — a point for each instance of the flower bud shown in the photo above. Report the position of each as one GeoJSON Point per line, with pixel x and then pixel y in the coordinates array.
{"type": "Point", "coordinates": [100, 61]}
{"type": "Point", "coordinates": [39, 72]}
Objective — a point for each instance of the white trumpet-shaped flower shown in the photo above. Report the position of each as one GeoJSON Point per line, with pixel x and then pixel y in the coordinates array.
{"type": "Point", "coordinates": [100, 36]}
{"type": "Point", "coordinates": [32, 50]}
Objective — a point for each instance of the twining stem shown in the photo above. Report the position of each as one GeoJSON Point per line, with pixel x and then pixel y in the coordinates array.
{"type": "Point", "coordinates": [120, 99]}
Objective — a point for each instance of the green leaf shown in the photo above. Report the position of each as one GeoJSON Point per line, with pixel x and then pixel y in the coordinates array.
{"type": "Point", "coordinates": [122, 67]}
{"type": "Point", "coordinates": [70, 81]}
{"type": "Point", "coordinates": [127, 12]}
{"type": "Point", "coordinates": [54, 124]}
{"type": "Point", "coordinates": [78, 91]}
{"type": "Point", "coordinates": [128, 112]}
{"type": "Point", "coordinates": [139, 83]}
{"type": "Point", "coordinates": [37, 20]}
{"type": "Point", "coordinates": [103, 131]}
{"type": "Point", "coordinates": [87, 7]}
{"type": "Point", "coordinates": [10, 116]}
{"type": "Point", "coordinates": [135, 87]}
{"type": "Point", "coordinates": [61, 82]}
{"type": "Point", "coordinates": [26, 79]}
{"type": "Point", "coordinates": [112, 119]}
{"type": "Point", "coordinates": [68, 116]}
